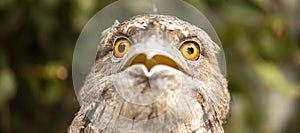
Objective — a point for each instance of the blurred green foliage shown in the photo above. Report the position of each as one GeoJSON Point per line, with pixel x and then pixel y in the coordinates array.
{"type": "Point", "coordinates": [260, 39]}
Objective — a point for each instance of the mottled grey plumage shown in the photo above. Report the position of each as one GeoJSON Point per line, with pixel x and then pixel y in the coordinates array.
{"type": "Point", "coordinates": [120, 95]}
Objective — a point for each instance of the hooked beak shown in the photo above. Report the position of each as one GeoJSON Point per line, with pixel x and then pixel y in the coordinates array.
{"type": "Point", "coordinates": [150, 62]}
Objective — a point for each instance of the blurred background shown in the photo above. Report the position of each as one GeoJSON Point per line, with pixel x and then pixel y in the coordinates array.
{"type": "Point", "coordinates": [260, 39]}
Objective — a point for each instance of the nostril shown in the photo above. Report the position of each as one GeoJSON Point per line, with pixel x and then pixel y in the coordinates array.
{"type": "Point", "coordinates": [155, 60]}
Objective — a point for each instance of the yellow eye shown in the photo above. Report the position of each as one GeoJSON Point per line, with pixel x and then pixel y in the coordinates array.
{"type": "Point", "coordinates": [121, 47]}
{"type": "Point", "coordinates": [190, 50]}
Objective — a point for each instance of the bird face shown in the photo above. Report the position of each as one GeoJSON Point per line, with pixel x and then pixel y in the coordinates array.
{"type": "Point", "coordinates": [149, 57]}
{"type": "Point", "coordinates": [159, 72]}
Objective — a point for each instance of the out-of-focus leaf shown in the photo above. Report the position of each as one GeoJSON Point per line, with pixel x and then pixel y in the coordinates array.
{"type": "Point", "coordinates": [7, 85]}
{"type": "Point", "coordinates": [6, 3]}
{"type": "Point", "coordinates": [53, 93]}
{"type": "Point", "coordinates": [242, 14]}
{"type": "Point", "coordinates": [274, 79]}
{"type": "Point", "coordinates": [268, 46]}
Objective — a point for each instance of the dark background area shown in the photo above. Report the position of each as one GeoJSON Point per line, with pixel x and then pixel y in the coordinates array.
{"type": "Point", "coordinates": [260, 39]}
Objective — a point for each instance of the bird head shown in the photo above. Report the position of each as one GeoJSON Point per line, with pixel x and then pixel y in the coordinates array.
{"type": "Point", "coordinates": [155, 67]}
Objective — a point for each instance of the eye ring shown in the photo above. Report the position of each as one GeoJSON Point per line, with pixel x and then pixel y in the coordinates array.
{"type": "Point", "coordinates": [121, 47]}
{"type": "Point", "coordinates": [190, 50]}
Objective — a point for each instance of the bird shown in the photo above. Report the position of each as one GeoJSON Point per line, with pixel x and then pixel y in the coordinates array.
{"type": "Point", "coordinates": [154, 73]}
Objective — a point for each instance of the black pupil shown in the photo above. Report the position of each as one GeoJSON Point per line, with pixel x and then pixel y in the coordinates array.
{"type": "Point", "coordinates": [121, 47]}
{"type": "Point", "coordinates": [190, 50]}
